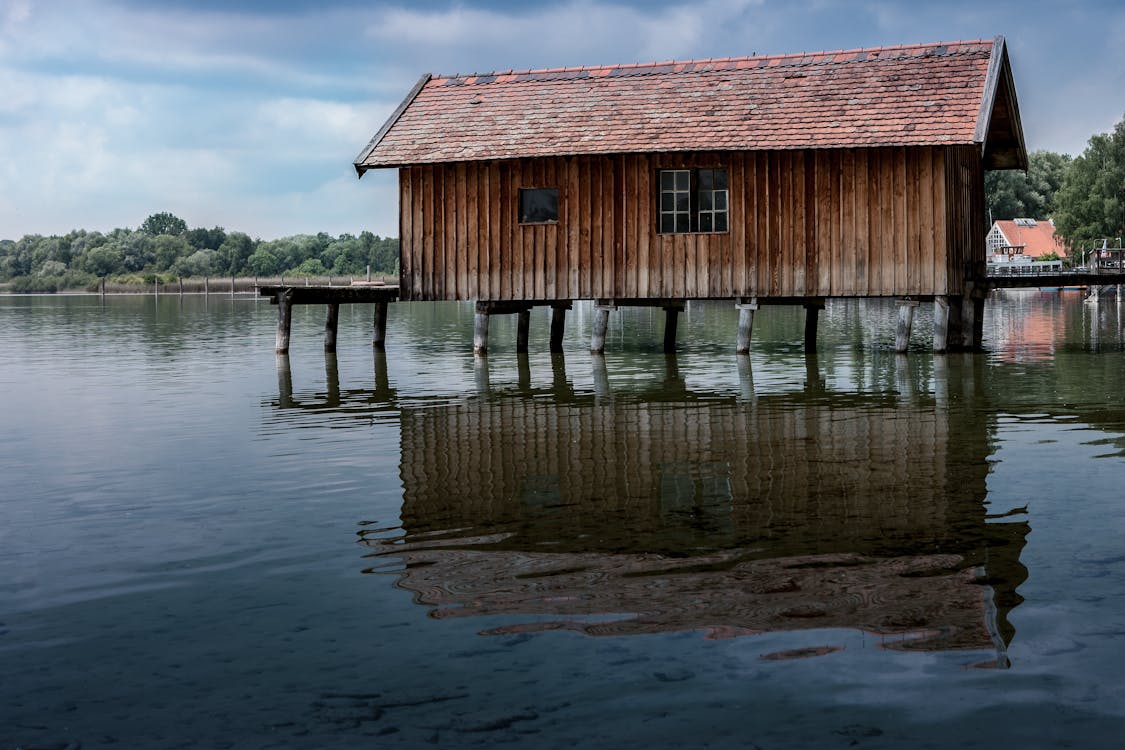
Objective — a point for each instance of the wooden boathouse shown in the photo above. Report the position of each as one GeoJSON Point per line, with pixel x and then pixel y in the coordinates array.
{"type": "Point", "coordinates": [763, 180]}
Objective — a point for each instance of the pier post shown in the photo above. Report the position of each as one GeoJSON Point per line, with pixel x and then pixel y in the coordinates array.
{"type": "Point", "coordinates": [972, 316]}
{"type": "Point", "coordinates": [745, 378]}
{"type": "Point", "coordinates": [671, 321]}
{"type": "Point", "coordinates": [812, 319]}
{"type": "Point", "coordinates": [379, 339]}
{"type": "Point", "coordinates": [523, 327]}
{"type": "Point", "coordinates": [905, 323]}
{"type": "Point", "coordinates": [480, 329]}
{"type": "Point", "coordinates": [284, 318]}
{"type": "Point", "coordinates": [284, 381]}
{"type": "Point", "coordinates": [331, 323]}
{"type": "Point", "coordinates": [523, 370]}
{"type": "Point", "coordinates": [746, 312]}
{"type": "Point", "coordinates": [601, 377]}
{"type": "Point", "coordinates": [558, 324]}
{"type": "Point", "coordinates": [601, 326]}
{"type": "Point", "coordinates": [941, 323]}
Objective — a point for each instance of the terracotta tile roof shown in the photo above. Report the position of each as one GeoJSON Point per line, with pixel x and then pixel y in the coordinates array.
{"type": "Point", "coordinates": [1035, 241]}
{"type": "Point", "coordinates": [927, 94]}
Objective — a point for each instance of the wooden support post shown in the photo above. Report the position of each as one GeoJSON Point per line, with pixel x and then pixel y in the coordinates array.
{"type": "Point", "coordinates": [812, 319]}
{"type": "Point", "coordinates": [601, 326]}
{"type": "Point", "coordinates": [671, 320]}
{"type": "Point", "coordinates": [746, 312]}
{"type": "Point", "coordinates": [379, 338]}
{"type": "Point", "coordinates": [905, 323]}
{"type": "Point", "coordinates": [480, 375]}
{"type": "Point", "coordinates": [956, 334]}
{"type": "Point", "coordinates": [480, 329]}
{"type": "Point", "coordinates": [558, 374]}
{"type": "Point", "coordinates": [523, 328]}
{"type": "Point", "coordinates": [331, 323]}
{"type": "Point", "coordinates": [180, 279]}
{"type": "Point", "coordinates": [558, 324]}
{"type": "Point", "coordinates": [284, 318]}
{"type": "Point", "coordinates": [941, 323]}
{"type": "Point", "coordinates": [206, 286]}
{"type": "Point", "coordinates": [972, 315]}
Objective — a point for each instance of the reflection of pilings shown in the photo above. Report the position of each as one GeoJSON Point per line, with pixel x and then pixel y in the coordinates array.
{"type": "Point", "coordinates": [284, 381]}
{"type": "Point", "coordinates": [480, 375]}
{"type": "Point", "coordinates": [812, 316]}
{"type": "Point", "coordinates": [558, 374]}
{"type": "Point", "coordinates": [814, 381]}
{"type": "Point", "coordinates": [601, 375]}
{"type": "Point", "coordinates": [382, 381]}
{"type": "Point", "coordinates": [903, 379]}
{"type": "Point", "coordinates": [331, 379]}
{"type": "Point", "coordinates": [558, 325]}
{"type": "Point", "coordinates": [745, 377]}
{"type": "Point", "coordinates": [941, 381]}
{"type": "Point", "coordinates": [671, 319]}
{"type": "Point", "coordinates": [523, 328]}
{"type": "Point", "coordinates": [523, 368]}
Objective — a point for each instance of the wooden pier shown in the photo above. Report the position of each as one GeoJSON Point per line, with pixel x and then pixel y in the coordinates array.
{"type": "Point", "coordinates": [331, 297]}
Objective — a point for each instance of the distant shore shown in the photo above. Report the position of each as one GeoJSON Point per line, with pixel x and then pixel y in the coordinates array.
{"type": "Point", "coordinates": [239, 285]}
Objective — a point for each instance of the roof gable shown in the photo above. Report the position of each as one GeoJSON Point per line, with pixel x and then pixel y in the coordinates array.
{"type": "Point", "coordinates": [935, 94]}
{"type": "Point", "coordinates": [1033, 238]}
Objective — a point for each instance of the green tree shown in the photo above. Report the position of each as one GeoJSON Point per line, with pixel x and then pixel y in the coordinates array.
{"type": "Point", "coordinates": [164, 223]}
{"type": "Point", "coordinates": [206, 239]}
{"type": "Point", "coordinates": [168, 249]}
{"type": "Point", "coordinates": [262, 262]}
{"type": "Point", "coordinates": [1011, 194]}
{"type": "Point", "coordinates": [234, 252]}
{"type": "Point", "coordinates": [1090, 205]}
{"type": "Point", "coordinates": [105, 260]}
{"type": "Point", "coordinates": [199, 263]}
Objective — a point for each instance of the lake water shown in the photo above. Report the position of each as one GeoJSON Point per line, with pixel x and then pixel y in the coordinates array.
{"type": "Point", "coordinates": [203, 546]}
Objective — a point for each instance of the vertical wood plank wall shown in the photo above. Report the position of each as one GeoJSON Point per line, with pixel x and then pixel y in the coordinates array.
{"type": "Point", "coordinates": [831, 223]}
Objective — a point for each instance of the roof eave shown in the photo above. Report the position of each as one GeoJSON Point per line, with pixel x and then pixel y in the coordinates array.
{"type": "Point", "coordinates": [359, 163]}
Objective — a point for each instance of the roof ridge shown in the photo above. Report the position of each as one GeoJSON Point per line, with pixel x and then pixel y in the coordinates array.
{"type": "Point", "coordinates": [661, 64]}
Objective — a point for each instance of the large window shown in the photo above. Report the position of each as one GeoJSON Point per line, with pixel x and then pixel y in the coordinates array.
{"type": "Point", "coordinates": [693, 200]}
{"type": "Point", "coordinates": [539, 205]}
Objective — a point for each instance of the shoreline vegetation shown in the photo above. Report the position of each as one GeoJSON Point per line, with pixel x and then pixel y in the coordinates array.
{"type": "Point", "coordinates": [163, 255]}
{"type": "Point", "coordinates": [207, 285]}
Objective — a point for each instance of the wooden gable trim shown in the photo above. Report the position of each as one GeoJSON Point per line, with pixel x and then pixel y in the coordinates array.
{"type": "Point", "coordinates": [999, 86]}
{"type": "Point", "coordinates": [359, 165]}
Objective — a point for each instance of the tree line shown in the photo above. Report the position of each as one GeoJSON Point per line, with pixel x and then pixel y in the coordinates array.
{"type": "Point", "coordinates": [164, 248]}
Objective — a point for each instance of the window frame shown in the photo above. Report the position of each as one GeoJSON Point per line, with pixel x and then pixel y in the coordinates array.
{"type": "Point", "coordinates": [537, 222]}
{"type": "Point", "coordinates": [701, 201]}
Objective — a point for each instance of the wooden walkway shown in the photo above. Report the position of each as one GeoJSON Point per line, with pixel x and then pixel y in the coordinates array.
{"type": "Point", "coordinates": [1102, 277]}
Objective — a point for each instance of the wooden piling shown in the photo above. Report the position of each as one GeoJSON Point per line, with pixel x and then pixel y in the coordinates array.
{"type": "Point", "coordinates": [480, 329]}
{"type": "Point", "coordinates": [558, 325]}
{"type": "Point", "coordinates": [379, 338]}
{"type": "Point", "coordinates": [812, 319]}
{"type": "Point", "coordinates": [331, 323]}
{"type": "Point", "coordinates": [941, 324]}
{"type": "Point", "coordinates": [671, 321]}
{"type": "Point", "coordinates": [284, 318]}
{"type": "Point", "coordinates": [905, 323]}
{"type": "Point", "coordinates": [601, 327]}
{"type": "Point", "coordinates": [523, 328]}
{"type": "Point", "coordinates": [746, 312]}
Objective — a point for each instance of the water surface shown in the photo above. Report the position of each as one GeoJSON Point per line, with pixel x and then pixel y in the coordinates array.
{"type": "Point", "coordinates": [202, 545]}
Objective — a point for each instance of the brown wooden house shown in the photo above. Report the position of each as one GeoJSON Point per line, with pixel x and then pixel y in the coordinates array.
{"type": "Point", "coordinates": [792, 178]}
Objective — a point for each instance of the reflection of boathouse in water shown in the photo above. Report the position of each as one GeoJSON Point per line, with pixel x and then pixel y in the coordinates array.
{"type": "Point", "coordinates": [787, 512]}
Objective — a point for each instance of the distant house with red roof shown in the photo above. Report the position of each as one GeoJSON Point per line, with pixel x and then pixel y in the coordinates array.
{"type": "Point", "coordinates": [790, 178]}
{"type": "Point", "coordinates": [1032, 238]}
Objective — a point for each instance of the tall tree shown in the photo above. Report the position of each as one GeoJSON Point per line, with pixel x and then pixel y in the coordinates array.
{"type": "Point", "coordinates": [1011, 194]}
{"type": "Point", "coordinates": [1091, 201]}
{"type": "Point", "coordinates": [164, 223]}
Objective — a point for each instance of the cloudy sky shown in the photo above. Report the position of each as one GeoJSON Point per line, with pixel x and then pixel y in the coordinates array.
{"type": "Point", "coordinates": [248, 115]}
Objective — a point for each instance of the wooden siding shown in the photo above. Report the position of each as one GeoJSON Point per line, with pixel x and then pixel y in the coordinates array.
{"type": "Point", "coordinates": [827, 223]}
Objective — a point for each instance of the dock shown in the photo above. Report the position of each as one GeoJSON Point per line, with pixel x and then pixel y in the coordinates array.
{"type": "Point", "coordinates": [331, 297]}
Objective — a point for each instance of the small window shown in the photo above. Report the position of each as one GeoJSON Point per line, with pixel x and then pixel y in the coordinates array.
{"type": "Point", "coordinates": [539, 205]}
{"type": "Point", "coordinates": [693, 200]}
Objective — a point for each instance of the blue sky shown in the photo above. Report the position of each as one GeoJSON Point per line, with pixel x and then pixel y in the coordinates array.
{"type": "Point", "coordinates": [247, 115]}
